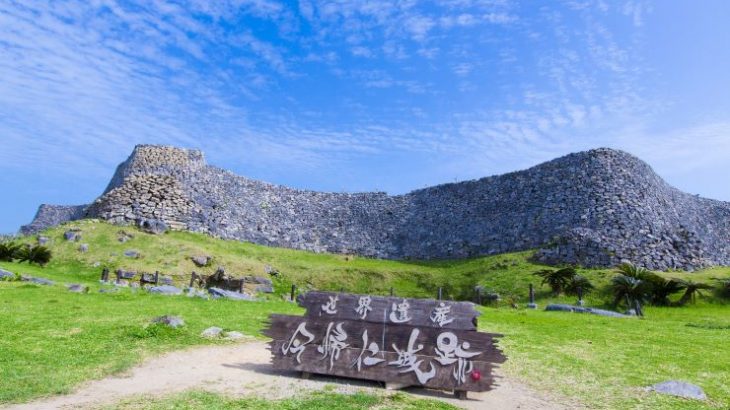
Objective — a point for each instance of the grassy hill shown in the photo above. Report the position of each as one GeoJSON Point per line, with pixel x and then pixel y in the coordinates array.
{"type": "Point", "coordinates": [53, 339]}
{"type": "Point", "coordinates": [507, 274]}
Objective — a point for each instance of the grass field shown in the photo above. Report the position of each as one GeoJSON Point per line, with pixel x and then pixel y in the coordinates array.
{"type": "Point", "coordinates": [53, 339]}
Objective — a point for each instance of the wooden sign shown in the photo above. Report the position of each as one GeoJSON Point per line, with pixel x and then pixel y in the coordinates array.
{"type": "Point", "coordinates": [401, 341]}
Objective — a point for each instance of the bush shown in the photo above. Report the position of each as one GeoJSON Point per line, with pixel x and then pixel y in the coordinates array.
{"type": "Point", "coordinates": [579, 282]}
{"type": "Point", "coordinates": [8, 251]}
{"type": "Point", "coordinates": [34, 254]}
{"type": "Point", "coordinates": [723, 288]}
{"type": "Point", "coordinates": [558, 280]}
{"type": "Point", "coordinates": [646, 286]}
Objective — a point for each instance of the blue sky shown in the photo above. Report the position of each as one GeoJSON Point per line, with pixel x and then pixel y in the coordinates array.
{"type": "Point", "coordinates": [358, 95]}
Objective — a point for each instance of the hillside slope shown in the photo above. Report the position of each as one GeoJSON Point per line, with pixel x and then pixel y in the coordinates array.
{"type": "Point", "coordinates": [594, 208]}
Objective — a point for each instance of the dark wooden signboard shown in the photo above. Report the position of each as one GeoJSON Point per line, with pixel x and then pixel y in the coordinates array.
{"type": "Point", "coordinates": [407, 342]}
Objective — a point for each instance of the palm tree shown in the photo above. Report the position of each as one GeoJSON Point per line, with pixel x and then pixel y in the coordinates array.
{"type": "Point", "coordinates": [628, 288]}
{"type": "Point", "coordinates": [633, 271]}
{"type": "Point", "coordinates": [8, 251]}
{"type": "Point", "coordinates": [579, 282]}
{"type": "Point", "coordinates": [723, 287]}
{"type": "Point", "coordinates": [34, 254]}
{"type": "Point", "coordinates": [691, 290]}
{"type": "Point", "coordinates": [556, 279]}
{"type": "Point", "coordinates": [659, 289]}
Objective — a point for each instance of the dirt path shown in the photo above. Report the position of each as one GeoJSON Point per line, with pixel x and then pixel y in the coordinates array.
{"type": "Point", "coordinates": [243, 369]}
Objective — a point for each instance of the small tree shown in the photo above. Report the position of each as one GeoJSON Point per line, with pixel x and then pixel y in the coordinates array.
{"type": "Point", "coordinates": [579, 282]}
{"type": "Point", "coordinates": [723, 288]}
{"type": "Point", "coordinates": [558, 279]}
{"type": "Point", "coordinates": [34, 254]}
{"type": "Point", "coordinates": [691, 290]}
{"type": "Point", "coordinates": [8, 251]}
{"type": "Point", "coordinates": [629, 289]}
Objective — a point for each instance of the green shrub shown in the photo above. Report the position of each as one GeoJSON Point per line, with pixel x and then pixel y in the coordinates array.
{"type": "Point", "coordinates": [558, 279]}
{"type": "Point", "coordinates": [8, 251]}
{"type": "Point", "coordinates": [579, 282]}
{"type": "Point", "coordinates": [34, 254]}
{"type": "Point", "coordinates": [723, 288]}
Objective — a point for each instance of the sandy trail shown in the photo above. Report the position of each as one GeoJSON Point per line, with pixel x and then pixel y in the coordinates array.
{"type": "Point", "coordinates": [243, 369]}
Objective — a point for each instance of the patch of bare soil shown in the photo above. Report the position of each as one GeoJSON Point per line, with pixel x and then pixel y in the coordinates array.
{"type": "Point", "coordinates": [244, 369]}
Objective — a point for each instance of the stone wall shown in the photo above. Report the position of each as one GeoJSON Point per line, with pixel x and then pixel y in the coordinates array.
{"type": "Point", "coordinates": [595, 208]}
{"type": "Point", "coordinates": [52, 215]}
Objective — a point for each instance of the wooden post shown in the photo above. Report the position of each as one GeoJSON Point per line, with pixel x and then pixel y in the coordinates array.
{"type": "Point", "coordinates": [532, 294]}
{"type": "Point", "coordinates": [119, 275]}
{"type": "Point", "coordinates": [157, 278]}
{"type": "Point", "coordinates": [192, 279]}
{"type": "Point", "coordinates": [440, 295]}
{"type": "Point", "coordinates": [391, 291]}
{"type": "Point", "coordinates": [580, 296]}
{"type": "Point", "coordinates": [240, 286]}
{"type": "Point", "coordinates": [105, 275]}
{"type": "Point", "coordinates": [293, 291]}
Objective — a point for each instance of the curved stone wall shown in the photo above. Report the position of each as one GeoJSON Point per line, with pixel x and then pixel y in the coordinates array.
{"type": "Point", "coordinates": [595, 208]}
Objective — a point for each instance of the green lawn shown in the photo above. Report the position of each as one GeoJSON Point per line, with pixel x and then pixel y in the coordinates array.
{"type": "Point", "coordinates": [53, 340]}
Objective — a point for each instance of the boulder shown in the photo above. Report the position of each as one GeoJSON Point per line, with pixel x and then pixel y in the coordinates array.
{"type": "Point", "coordinates": [72, 235]}
{"type": "Point", "coordinates": [265, 289]}
{"type": "Point", "coordinates": [211, 332]}
{"type": "Point", "coordinates": [165, 280]}
{"type": "Point", "coordinates": [42, 240]}
{"type": "Point", "coordinates": [165, 290]}
{"type": "Point", "coordinates": [680, 389]}
{"type": "Point", "coordinates": [131, 253]}
{"type": "Point", "coordinates": [233, 335]}
{"type": "Point", "coordinates": [580, 309]}
{"type": "Point", "coordinates": [217, 293]}
{"type": "Point", "coordinates": [123, 236]}
{"type": "Point", "coordinates": [6, 275]}
{"type": "Point", "coordinates": [38, 281]}
{"type": "Point", "coordinates": [84, 247]}
{"type": "Point", "coordinates": [192, 292]}
{"type": "Point", "coordinates": [76, 288]}
{"type": "Point", "coordinates": [201, 260]}
{"type": "Point", "coordinates": [109, 290]}
{"type": "Point", "coordinates": [261, 280]}
{"type": "Point", "coordinates": [152, 226]}
{"type": "Point", "coordinates": [171, 321]}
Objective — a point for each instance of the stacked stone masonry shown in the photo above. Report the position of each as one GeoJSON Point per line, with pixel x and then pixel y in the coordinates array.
{"type": "Point", "coordinates": [594, 208]}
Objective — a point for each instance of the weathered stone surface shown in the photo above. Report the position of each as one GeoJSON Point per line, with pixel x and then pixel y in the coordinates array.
{"type": "Point", "coordinates": [38, 281]}
{"type": "Point", "coordinates": [592, 208]}
{"type": "Point", "coordinates": [78, 288]}
{"type": "Point", "coordinates": [72, 235]}
{"type": "Point", "coordinates": [201, 260]}
{"type": "Point", "coordinates": [679, 388]}
{"type": "Point", "coordinates": [581, 309]}
{"type": "Point", "coordinates": [211, 332]}
{"type": "Point", "coordinates": [165, 290]}
{"type": "Point", "coordinates": [233, 335]}
{"type": "Point", "coordinates": [171, 321]}
{"type": "Point", "coordinates": [264, 289]}
{"type": "Point", "coordinates": [192, 292]}
{"type": "Point", "coordinates": [131, 253]}
{"type": "Point", "coordinates": [84, 247]}
{"type": "Point", "coordinates": [6, 275]}
{"type": "Point", "coordinates": [165, 280]}
{"type": "Point", "coordinates": [217, 293]}
{"type": "Point", "coordinates": [43, 240]}
{"type": "Point", "coordinates": [153, 226]}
